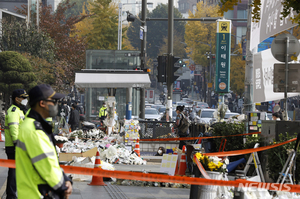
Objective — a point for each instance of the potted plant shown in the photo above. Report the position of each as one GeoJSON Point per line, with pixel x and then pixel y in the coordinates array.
{"type": "Point", "coordinates": [60, 140]}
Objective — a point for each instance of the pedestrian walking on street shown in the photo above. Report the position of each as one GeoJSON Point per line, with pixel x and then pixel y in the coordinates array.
{"type": "Point", "coordinates": [102, 113]}
{"type": "Point", "coordinates": [13, 118]}
{"type": "Point", "coordinates": [277, 116]}
{"type": "Point", "coordinates": [38, 173]}
{"type": "Point", "coordinates": [181, 129]}
{"type": "Point", "coordinates": [74, 118]}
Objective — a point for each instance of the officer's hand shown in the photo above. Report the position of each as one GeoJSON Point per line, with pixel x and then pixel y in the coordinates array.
{"type": "Point", "coordinates": [68, 192]}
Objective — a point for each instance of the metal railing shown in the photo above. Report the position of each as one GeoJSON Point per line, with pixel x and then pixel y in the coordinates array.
{"type": "Point", "coordinates": [163, 129]}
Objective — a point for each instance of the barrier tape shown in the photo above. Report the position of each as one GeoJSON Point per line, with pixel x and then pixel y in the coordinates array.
{"type": "Point", "coordinates": [196, 138]}
{"type": "Point", "coordinates": [166, 178]}
{"type": "Point", "coordinates": [246, 151]}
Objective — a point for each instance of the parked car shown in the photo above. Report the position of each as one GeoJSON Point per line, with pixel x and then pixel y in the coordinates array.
{"type": "Point", "coordinates": [187, 100]}
{"type": "Point", "coordinates": [157, 106]}
{"type": "Point", "coordinates": [161, 110]}
{"type": "Point", "coordinates": [181, 103]}
{"type": "Point", "coordinates": [201, 105]}
{"type": "Point", "coordinates": [206, 115]}
{"type": "Point", "coordinates": [149, 105]}
{"type": "Point", "coordinates": [229, 115]}
{"type": "Point", "coordinates": [152, 114]}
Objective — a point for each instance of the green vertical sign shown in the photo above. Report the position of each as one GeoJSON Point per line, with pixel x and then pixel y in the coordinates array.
{"type": "Point", "coordinates": [223, 56]}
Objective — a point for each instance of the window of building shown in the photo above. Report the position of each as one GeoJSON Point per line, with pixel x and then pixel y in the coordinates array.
{"type": "Point", "coordinates": [240, 31]}
{"type": "Point", "coordinates": [242, 14]}
{"type": "Point", "coordinates": [194, 9]}
{"type": "Point", "coordinates": [228, 14]}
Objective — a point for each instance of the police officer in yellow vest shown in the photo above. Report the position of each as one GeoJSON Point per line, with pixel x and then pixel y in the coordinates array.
{"type": "Point", "coordinates": [102, 112]}
{"type": "Point", "coordinates": [13, 119]}
{"type": "Point", "coordinates": [38, 172]}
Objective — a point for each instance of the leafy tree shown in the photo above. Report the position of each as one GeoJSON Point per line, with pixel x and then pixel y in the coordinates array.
{"type": "Point", "coordinates": [200, 36]}
{"type": "Point", "coordinates": [156, 30]}
{"type": "Point", "coordinates": [77, 8]}
{"type": "Point", "coordinates": [104, 34]}
{"type": "Point", "coordinates": [237, 72]}
{"type": "Point", "coordinates": [69, 50]}
{"type": "Point", "coordinates": [101, 28]}
{"type": "Point", "coordinates": [178, 46]}
{"type": "Point", "coordinates": [288, 6]}
{"type": "Point", "coordinates": [84, 27]}
{"type": "Point", "coordinates": [16, 36]}
{"type": "Point", "coordinates": [126, 45]}
{"type": "Point", "coordinates": [53, 74]}
{"type": "Point", "coordinates": [15, 72]}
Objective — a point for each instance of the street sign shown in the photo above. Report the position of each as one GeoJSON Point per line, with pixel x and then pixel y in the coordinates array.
{"type": "Point", "coordinates": [223, 56]}
{"type": "Point", "coordinates": [192, 67]}
{"type": "Point", "coordinates": [279, 45]}
{"type": "Point", "coordinates": [141, 34]}
{"type": "Point", "coordinates": [293, 78]}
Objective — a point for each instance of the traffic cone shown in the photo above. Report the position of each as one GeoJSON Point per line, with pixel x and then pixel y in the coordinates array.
{"type": "Point", "coordinates": [137, 148]}
{"type": "Point", "coordinates": [1, 134]}
{"type": "Point", "coordinates": [176, 167]}
{"type": "Point", "coordinates": [182, 165]}
{"type": "Point", "coordinates": [96, 180]}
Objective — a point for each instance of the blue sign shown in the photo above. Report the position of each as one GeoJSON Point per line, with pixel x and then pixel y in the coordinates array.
{"type": "Point", "coordinates": [141, 34]}
{"type": "Point", "coordinates": [266, 44]}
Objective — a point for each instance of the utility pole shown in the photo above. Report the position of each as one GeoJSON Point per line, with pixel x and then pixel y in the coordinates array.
{"type": "Point", "coordinates": [248, 102]}
{"type": "Point", "coordinates": [170, 59]}
{"type": "Point", "coordinates": [143, 56]}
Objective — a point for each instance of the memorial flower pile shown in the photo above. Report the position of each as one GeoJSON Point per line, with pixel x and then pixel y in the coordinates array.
{"type": "Point", "coordinates": [212, 163]}
{"type": "Point", "coordinates": [60, 139]}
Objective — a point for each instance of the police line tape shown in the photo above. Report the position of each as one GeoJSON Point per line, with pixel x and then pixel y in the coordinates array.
{"type": "Point", "coordinates": [166, 178]}
{"type": "Point", "coordinates": [246, 151]}
{"type": "Point", "coordinates": [197, 138]}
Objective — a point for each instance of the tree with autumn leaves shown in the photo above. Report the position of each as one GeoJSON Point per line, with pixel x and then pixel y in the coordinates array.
{"type": "Point", "coordinates": [288, 7]}
{"type": "Point", "coordinates": [69, 51]}
{"type": "Point", "coordinates": [201, 38]}
{"type": "Point", "coordinates": [100, 29]}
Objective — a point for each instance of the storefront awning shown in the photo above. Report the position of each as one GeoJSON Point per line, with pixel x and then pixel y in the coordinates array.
{"type": "Point", "coordinates": [112, 80]}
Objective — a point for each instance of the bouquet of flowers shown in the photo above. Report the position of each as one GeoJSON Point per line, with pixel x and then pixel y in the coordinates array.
{"type": "Point", "coordinates": [60, 139]}
{"type": "Point", "coordinates": [212, 163]}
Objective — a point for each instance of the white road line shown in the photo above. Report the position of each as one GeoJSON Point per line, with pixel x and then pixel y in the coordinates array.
{"type": "Point", "coordinates": [3, 188]}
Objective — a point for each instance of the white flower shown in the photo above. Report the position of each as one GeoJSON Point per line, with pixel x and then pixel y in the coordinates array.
{"type": "Point", "coordinates": [226, 161]}
{"type": "Point", "coordinates": [214, 159]}
{"type": "Point", "coordinates": [60, 138]}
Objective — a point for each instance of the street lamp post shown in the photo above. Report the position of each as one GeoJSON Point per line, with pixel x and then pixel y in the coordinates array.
{"type": "Point", "coordinates": [120, 27]}
{"type": "Point", "coordinates": [120, 21]}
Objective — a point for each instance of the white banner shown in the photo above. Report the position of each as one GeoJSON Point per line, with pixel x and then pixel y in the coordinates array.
{"type": "Point", "coordinates": [270, 22]}
{"type": "Point", "coordinates": [263, 66]}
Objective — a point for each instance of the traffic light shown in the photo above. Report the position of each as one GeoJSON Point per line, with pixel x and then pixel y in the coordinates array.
{"type": "Point", "coordinates": [161, 68]}
{"type": "Point", "coordinates": [147, 70]}
{"type": "Point", "coordinates": [130, 17]}
{"type": "Point", "coordinates": [175, 67]}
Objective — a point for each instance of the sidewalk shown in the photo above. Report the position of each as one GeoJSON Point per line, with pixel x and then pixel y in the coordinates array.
{"type": "Point", "coordinates": [82, 191]}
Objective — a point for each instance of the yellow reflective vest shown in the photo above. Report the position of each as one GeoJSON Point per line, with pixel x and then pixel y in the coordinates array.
{"type": "Point", "coordinates": [13, 119]}
{"type": "Point", "coordinates": [37, 166]}
{"type": "Point", "coordinates": [102, 112]}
